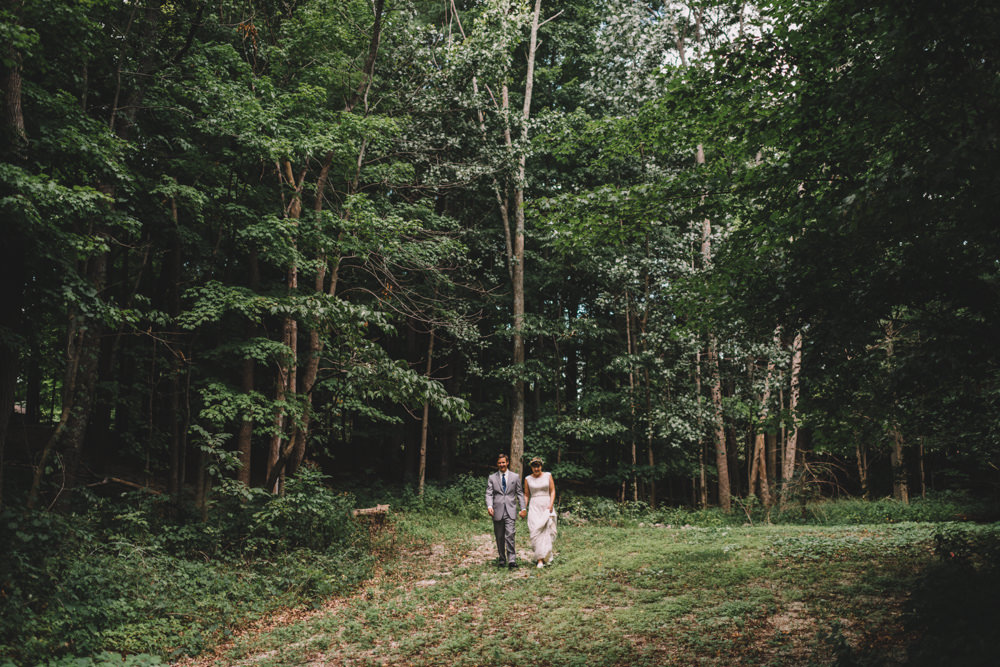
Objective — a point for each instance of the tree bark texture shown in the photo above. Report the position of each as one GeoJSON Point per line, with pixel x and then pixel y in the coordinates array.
{"type": "Point", "coordinates": [788, 464]}
{"type": "Point", "coordinates": [900, 486]}
{"type": "Point", "coordinates": [759, 470]}
{"type": "Point", "coordinates": [517, 419]}
{"type": "Point", "coordinates": [715, 379]}
{"type": "Point", "coordinates": [425, 422]}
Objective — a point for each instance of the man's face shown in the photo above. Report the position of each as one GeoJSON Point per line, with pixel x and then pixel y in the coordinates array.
{"type": "Point", "coordinates": [502, 464]}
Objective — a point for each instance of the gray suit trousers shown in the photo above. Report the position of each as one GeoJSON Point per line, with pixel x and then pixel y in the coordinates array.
{"type": "Point", "coordinates": [504, 532]}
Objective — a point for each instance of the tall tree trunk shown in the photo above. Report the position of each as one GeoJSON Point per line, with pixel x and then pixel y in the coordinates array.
{"type": "Point", "coordinates": [174, 308]}
{"type": "Point", "coordinates": [788, 464]}
{"type": "Point", "coordinates": [923, 477]}
{"type": "Point", "coordinates": [517, 420]}
{"type": "Point", "coordinates": [572, 382]}
{"type": "Point", "coordinates": [702, 473]}
{"type": "Point", "coordinates": [316, 336]}
{"type": "Point", "coordinates": [862, 456]}
{"type": "Point", "coordinates": [244, 439]}
{"type": "Point", "coordinates": [631, 397]}
{"type": "Point", "coordinates": [782, 436]}
{"type": "Point", "coordinates": [649, 440]}
{"type": "Point", "coordinates": [514, 240]}
{"type": "Point", "coordinates": [425, 422]}
{"type": "Point", "coordinates": [733, 454]}
{"type": "Point", "coordinates": [643, 323]}
{"type": "Point", "coordinates": [712, 359]}
{"type": "Point", "coordinates": [721, 454]}
{"type": "Point", "coordinates": [287, 368]}
{"type": "Point", "coordinates": [771, 439]}
{"type": "Point", "coordinates": [758, 472]}
{"type": "Point", "coordinates": [12, 266]}
{"type": "Point", "coordinates": [900, 487]}
{"type": "Point", "coordinates": [87, 357]}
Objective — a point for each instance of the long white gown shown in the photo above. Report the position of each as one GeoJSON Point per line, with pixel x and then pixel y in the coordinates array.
{"type": "Point", "coordinates": [541, 525]}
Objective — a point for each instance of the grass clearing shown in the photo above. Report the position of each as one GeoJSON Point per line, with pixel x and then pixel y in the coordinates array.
{"type": "Point", "coordinates": [634, 595]}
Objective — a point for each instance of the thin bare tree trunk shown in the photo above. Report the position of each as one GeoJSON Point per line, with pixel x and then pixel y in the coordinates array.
{"type": "Point", "coordinates": [287, 368]}
{"type": "Point", "coordinates": [862, 455]}
{"type": "Point", "coordinates": [900, 487]}
{"type": "Point", "coordinates": [772, 459]}
{"type": "Point", "coordinates": [782, 436]}
{"type": "Point", "coordinates": [517, 420]}
{"type": "Point", "coordinates": [759, 468]}
{"type": "Point", "coordinates": [425, 423]}
{"type": "Point", "coordinates": [174, 306]}
{"type": "Point", "coordinates": [244, 439]}
{"type": "Point", "coordinates": [631, 396]}
{"type": "Point", "coordinates": [788, 465]}
{"type": "Point", "coordinates": [649, 440]}
{"type": "Point", "coordinates": [721, 455]}
{"type": "Point", "coordinates": [702, 475]}
{"type": "Point", "coordinates": [316, 343]}
{"type": "Point", "coordinates": [923, 478]}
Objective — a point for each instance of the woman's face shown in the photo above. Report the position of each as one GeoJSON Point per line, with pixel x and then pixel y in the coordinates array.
{"type": "Point", "coordinates": [536, 469]}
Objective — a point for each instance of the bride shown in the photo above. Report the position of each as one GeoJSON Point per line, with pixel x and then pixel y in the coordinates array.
{"type": "Point", "coordinates": [540, 490]}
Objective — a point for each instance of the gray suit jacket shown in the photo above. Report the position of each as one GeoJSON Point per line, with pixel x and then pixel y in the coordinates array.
{"type": "Point", "coordinates": [504, 504]}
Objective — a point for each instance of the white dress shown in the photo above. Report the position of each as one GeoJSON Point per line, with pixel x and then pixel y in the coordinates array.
{"type": "Point", "coordinates": [541, 525]}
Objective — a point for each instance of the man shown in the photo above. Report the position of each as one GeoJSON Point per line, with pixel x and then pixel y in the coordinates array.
{"type": "Point", "coordinates": [502, 488]}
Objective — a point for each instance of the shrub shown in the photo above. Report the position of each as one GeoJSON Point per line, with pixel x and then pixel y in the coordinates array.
{"type": "Point", "coordinates": [463, 497]}
{"type": "Point", "coordinates": [309, 516]}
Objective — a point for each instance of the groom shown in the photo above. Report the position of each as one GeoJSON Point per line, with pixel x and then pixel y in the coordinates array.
{"type": "Point", "coordinates": [502, 488]}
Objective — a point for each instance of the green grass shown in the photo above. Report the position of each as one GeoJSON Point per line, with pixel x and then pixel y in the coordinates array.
{"type": "Point", "coordinates": [137, 579]}
{"type": "Point", "coordinates": [788, 595]}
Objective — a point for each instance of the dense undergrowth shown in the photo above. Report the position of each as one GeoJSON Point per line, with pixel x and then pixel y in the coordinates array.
{"type": "Point", "coordinates": [465, 497]}
{"type": "Point", "coordinates": [134, 579]}
{"type": "Point", "coordinates": [137, 575]}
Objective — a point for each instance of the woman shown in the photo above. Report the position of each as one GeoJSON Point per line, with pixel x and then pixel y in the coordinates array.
{"type": "Point", "coordinates": [540, 490]}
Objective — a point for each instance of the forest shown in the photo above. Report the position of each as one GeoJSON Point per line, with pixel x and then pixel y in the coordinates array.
{"type": "Point", "coordinates": [685, 252]}
{"type": "Point", "coordinates": [694, 254]}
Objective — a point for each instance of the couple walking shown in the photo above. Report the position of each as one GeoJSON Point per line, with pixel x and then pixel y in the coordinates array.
{"type": "Point", "coordinates": [537, 497]}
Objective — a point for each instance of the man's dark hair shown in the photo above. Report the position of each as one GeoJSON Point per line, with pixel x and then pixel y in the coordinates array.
{"type": "Point", "coordinates": [502, 455]}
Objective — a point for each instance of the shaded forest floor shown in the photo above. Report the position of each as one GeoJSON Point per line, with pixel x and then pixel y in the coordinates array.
{"type": "Point", "coordinates": [653, 595]}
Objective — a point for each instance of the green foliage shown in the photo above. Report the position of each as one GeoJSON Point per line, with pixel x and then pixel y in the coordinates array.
{"type": "Point", "coordinates": [136, 576]}
{"type": "Point", "coordinates": [106, 659]}
{"type": "Point", "coordinates": [308, 515]}
{"type": "Point", "coordinates": [934, 508]}
{"type": "Point", "coordinates": [462, 497]}
{"type": "Point", "coordinates": [845, 512]}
